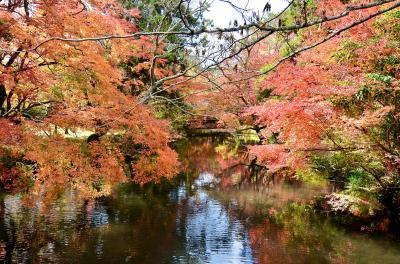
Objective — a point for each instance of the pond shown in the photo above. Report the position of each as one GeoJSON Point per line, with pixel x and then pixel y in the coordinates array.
{"type": "Point", "coordinates": [202, 216]}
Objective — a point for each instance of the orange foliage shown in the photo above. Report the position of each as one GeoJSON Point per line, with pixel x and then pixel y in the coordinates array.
{"type": "Point", "coordinates": [296, 108]}
{"type": "Point", "coordinates": [63, 89]}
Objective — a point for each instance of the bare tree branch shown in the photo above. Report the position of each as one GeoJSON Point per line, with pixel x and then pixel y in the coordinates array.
{"type": "Point", "coordinates": [260, 25]}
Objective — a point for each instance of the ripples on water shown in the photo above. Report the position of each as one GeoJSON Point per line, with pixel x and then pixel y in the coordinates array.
{"type": "Point", "coordinates": [192, 221]}
{"type": "Point", "coordinates": [211, 236]}
{"type": "Point", "coordinates": [184, 226]}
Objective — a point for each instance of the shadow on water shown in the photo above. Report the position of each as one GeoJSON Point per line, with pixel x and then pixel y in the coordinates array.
{"type": "Point", "coordinates": [196, 218]}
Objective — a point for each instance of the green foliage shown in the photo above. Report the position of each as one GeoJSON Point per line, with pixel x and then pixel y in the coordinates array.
{"type": "Point", "coordinates": [4, 33]}
{"type": "Point", "coordinates": [347, 52]}
{"type": "Point", "coordinates": [267, 67]}
{"type": "Point", "coordinates": [386, 79]}
{"type": "Point", "coordinates": [372, 97]}
{"type": "Point", "coordinates": [338, 166]}
{"type": "Point", "coordinates": [388, 26]}
{"type": "Point", "coordinates": [247, 136]}
{"type": "Point", "coordinates": [7, 159]}
{"type": "Point", "coordinates": [346, 104]}
{"type": "Point", "coordinates": [389, 65]}
{"type": "Point", "coordinates": [175, 112]}
{"type": "Point", "coordinates": [84, 148]}
{"type": "Point", "coordinates": [360, 177]}
{"type": "Point", "coordinates": [21, 169]}
{"type": "Point", "coordinates": [57, 92]}
{"type": "Point", "coordinates": [369, 95]}
{"type": "Point", "coordinates": [291, 46]}
{"type": "Point", "coordinates": [161, 15]}
{"type": "Point", "coordinates": [262, 95]}
{"type": "Point", "coordinates": [24, 179]}
{"type": "Point", "coordinates": [273, 138]}
{"type": "Point", "coordinates": [295, 14]}
{"type": "Point", "coordinates": [311, 177]}
{"type": "Point", "coordinates": [38, 112]}
{"type": "Point", "coordinates": [351, 172]}
{"type": "Point", "coordinates": [227, 150]}
{"type": "Point", "coordinates": [389, 130]}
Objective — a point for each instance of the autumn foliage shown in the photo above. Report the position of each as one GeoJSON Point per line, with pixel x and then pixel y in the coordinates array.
{"type": "Point", "coordinates": [66, 113]}
{"type": "Point", "coordinates": [332, 108]}
{"type": "Point", "coordinates": [295, 103]}
{"type": "Point", "coordinates": [76, 90]}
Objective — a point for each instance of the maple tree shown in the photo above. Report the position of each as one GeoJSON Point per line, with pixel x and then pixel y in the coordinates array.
{"type": "Point", "coordinates": [65, 117]}
{"type": "Point", "coordinates": [78, 80]}
{"type": "Point", "coordinates": [333, 107]}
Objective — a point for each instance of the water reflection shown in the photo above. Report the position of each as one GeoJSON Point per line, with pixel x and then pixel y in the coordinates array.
{"type": "Point", "coordinates": [198, 218]}
{"type": "Point", "coordinates": [210, 235]}
{"type": "Point", "coordinates": [125, 228]}
{"type": "Point", "coordinates": [170, 224]}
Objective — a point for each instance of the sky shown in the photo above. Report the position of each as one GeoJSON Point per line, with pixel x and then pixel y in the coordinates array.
{"type": "Point", "coordinates": [222, 12]}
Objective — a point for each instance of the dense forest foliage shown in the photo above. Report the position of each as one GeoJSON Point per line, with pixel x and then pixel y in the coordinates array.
{"type": "Point", "coordinates": [92, 93]}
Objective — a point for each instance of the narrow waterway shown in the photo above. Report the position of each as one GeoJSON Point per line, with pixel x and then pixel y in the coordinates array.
{"type": "Point", "coordinates": [202, 216]}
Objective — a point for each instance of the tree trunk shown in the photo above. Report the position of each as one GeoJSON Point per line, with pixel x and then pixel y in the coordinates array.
{"type": "Point", "coordinates": [3, 97]}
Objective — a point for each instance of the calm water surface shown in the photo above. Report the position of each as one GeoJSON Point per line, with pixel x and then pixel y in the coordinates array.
{"type": "Point", "coordinates": [201, 217]}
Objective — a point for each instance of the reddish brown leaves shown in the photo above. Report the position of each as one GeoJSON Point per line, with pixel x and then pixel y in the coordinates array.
{"type": "Point", "coordinates": [65, 91]}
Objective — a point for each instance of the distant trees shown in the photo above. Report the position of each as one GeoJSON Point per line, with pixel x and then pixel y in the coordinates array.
{"type": "Point", "coordinates": [89, 69]}
{"type": "Point", "coordinates": [331, 110]}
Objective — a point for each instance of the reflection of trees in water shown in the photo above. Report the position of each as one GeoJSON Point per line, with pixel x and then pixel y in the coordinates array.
{"type": "Point", "coordinates": [242, 196]}
{"type": "Point", "coordinates": [229, 162]}
{"type": "Point", "coordinates": [198, 154]}
{"type": "Point", "coordinates": [296, 233]}
{"type": "Point", "coordinates": [268, 239]}
{"type": "Point", "coordinates": [296, 236]}
{"type": "Point", "coordinates": [184, 221]}
{"type": "Point", "coordinates": [31, 232]}
{"type": "Point", "coordinates": [123, 228]}
{"type": "Point", "coordinates": [209, 233]}
{"type": "Point", "coordinates": [217, 155]}
{"type": "Point", "coordinates": [278, 230]}
{"type": "Point", "coordinates": [235, 171]}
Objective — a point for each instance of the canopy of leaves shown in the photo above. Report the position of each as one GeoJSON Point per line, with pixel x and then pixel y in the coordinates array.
{"type": "Point", "coordinates": [65, 118]}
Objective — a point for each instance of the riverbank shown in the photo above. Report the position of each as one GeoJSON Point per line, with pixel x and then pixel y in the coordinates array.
{"type": "Point", "coordinates": [202, 215]}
